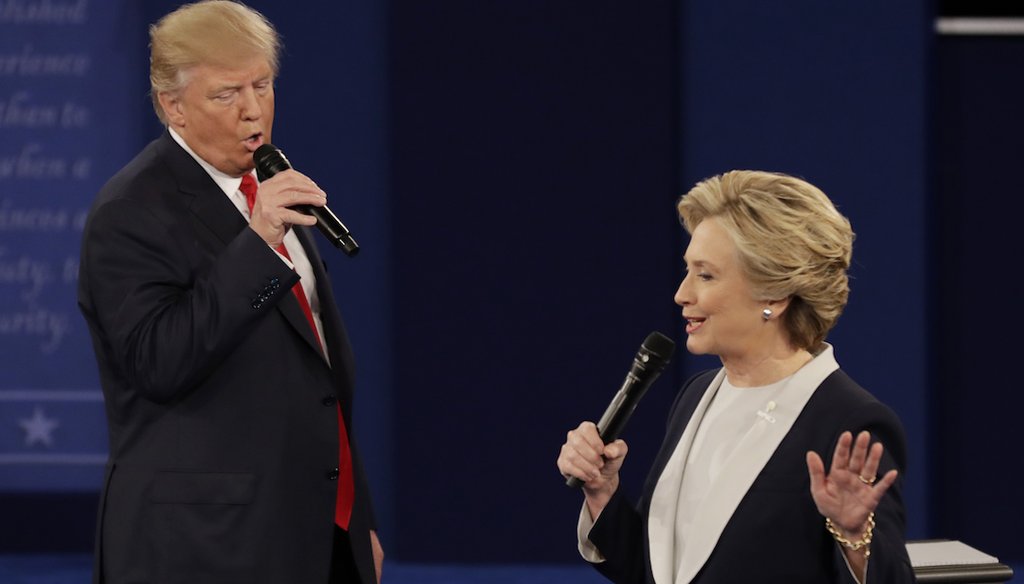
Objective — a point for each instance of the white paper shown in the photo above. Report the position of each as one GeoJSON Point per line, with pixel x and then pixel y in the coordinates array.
{"type": "Point", "coordinates": [946, 553]}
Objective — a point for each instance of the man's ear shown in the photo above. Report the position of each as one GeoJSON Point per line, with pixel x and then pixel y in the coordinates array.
{"type": "Point", "coordinates": [170, 103]}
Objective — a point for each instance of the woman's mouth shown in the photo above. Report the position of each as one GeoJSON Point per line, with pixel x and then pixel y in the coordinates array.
{"type": "Point", "coordinates": [693, 324]}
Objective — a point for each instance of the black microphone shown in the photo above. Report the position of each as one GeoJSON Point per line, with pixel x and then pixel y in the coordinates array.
{"type": "Point", "coordinates": [270, 161]}
{"type": "Point", "coordinates": [654, 354]}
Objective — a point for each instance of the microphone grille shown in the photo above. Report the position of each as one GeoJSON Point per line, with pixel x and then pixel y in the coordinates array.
{"type": "Point", "coordinates": [659, 346]}
{"type": "Point", "coordinates": [269, 160]}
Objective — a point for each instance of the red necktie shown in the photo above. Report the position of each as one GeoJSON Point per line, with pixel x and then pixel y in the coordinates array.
{"type": "Point", "coordinates": [346, 487]}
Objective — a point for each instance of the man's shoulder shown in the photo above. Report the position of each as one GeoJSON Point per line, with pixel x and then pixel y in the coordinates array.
{"type": "Point", "coordinates": [160, 169]}
{"type": "Point", "coordinates": [152, 172]}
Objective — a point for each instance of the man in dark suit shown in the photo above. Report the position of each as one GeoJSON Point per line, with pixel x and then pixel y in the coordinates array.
{"type": "Point", "coordinates": [225, 365]}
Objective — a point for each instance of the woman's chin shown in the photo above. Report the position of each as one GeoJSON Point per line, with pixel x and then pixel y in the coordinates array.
{"type": "Point", "coordinates": [695, 347]}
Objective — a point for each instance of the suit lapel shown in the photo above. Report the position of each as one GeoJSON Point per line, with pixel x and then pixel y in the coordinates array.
{"type": "Point", "coordinates": [292, 312]}
{"type": "Point", "coordinates": [338, 345]}
{"type": "Point", "coordinates": [290, 308]}
{"type": "Point", "coordinates": [209, 206]}
{"type": "Point", "coordinates": [665, 497]}
{"type": "Point", "coordinates": [335, 336]}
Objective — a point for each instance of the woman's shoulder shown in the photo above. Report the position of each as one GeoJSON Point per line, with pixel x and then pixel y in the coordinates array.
{"type": "Point", "coordinates": [841, 398]}
{"type": "Point", "coordinates": [841, 389]}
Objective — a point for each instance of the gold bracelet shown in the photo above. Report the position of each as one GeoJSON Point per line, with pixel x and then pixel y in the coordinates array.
{"type": "Point", "coordinates": [863, 544]}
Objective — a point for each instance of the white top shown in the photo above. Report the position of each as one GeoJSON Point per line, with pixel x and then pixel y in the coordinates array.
{"type": "Point", "coordinates": [732, 414]}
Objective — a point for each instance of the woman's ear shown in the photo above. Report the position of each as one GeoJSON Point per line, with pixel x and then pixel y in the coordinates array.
{"type": "Point", "coordinates": [775, 308]}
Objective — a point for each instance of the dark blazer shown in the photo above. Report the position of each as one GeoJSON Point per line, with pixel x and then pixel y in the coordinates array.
{"type": "Point", "coordinates": [776, 533]}
{"type": "Point", "coordinates": [221, 408]}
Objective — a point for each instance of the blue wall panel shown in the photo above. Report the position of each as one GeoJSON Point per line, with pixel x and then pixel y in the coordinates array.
{"type": "Point", "coordinates": [837, 94]}
{"type": "Point", "coordinates": [63, 133]}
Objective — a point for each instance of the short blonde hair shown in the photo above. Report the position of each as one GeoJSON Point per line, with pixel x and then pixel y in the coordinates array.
{"type": "Point", "coordinates": [792, 243]}
{"type": "Point", "coordinates": [212, 32]}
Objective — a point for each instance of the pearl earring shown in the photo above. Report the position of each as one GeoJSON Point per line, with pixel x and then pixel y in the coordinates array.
{"type": "Point", "coordinates": [766, 314]}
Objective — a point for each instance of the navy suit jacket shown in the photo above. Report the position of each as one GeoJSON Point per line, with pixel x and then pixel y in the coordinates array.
{"type": "Point", "coordinates": [776, 533]}
{"type": "Point", "coordinates": [220, 406]}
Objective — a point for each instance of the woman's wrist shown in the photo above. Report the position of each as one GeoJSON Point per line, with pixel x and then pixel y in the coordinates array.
{"type": "Point", "coordinates": [598, 498]}
{"type": "Point", "coordinates": [862, 544]}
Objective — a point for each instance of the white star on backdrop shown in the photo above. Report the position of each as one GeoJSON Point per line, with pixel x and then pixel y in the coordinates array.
{"type": "Point", "coordinates": [38, 428]}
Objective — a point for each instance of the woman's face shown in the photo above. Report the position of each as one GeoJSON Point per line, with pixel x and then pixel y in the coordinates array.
{"type": "Point", "coordinates": [722, 317]}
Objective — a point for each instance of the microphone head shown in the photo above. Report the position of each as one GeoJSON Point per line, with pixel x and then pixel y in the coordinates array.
{"type": "Point", "coordinates": [269, 161]}
{"type": "Point", "coordinates": [656, 351]}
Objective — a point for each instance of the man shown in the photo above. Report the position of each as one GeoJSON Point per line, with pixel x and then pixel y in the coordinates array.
{"type": "Point", "coordinates": [225, 365]}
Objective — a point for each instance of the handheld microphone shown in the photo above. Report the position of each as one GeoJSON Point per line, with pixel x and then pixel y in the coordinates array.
{"type": "Point", "coordinates": [270, 161]}
{"type": "Point", "coordinates": [654, 354]}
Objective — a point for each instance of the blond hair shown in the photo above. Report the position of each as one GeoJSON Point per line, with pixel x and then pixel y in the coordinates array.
{"type": "Point", "coordinates": [221, 33]}
{"type": "Point", "coordinates": [791, 240]}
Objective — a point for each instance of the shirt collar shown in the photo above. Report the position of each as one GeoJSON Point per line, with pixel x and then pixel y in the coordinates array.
{"type": "Point", "coordinates": [227, 183]}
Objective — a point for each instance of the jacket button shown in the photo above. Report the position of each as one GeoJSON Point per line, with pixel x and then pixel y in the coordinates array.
{"type": "Point", "coordinates": [332, 474]}
{"type": "Point", "coordinates": [329, 400]}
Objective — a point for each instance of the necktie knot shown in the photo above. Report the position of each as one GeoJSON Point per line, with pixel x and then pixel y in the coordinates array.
{"type": "Point", "coordinates": [248, 188]}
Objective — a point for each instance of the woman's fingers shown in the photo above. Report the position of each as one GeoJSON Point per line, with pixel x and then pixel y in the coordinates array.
{"type": "Point", "coordinates": [816, 472]}
{"type": "Point", "coordinates": [869, 471]}
{"type": "Point", "coordinates": [581, 454]}
{"type": "Point", "coordinates": [859, 452]}
{"type": "Point", "coordinates": [841, 455]}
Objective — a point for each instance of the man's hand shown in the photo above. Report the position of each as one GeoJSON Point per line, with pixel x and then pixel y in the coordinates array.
{"type": "Point", "coordinates": [273, 213]}
{"type": "Point", "coordinates": [378, 554]}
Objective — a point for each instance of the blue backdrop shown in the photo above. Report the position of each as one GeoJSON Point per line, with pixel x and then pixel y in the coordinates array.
{"type": "Point", "coordinates": [510, 170]}
{"type": "Point", "coordinates": [64, 132]}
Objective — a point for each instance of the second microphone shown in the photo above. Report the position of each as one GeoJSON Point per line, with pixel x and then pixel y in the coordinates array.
{"type": "Point", "coordinates": [654, 354]}
{"type": "Point", "coordinates": [270, 161]}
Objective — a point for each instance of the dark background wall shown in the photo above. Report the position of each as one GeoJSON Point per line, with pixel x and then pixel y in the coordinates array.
{"type": "Point", "coordinates": [510, 170]}
{"type": "Point", "coordinates": [533, 169]}
{"type": "Point", "coordinates": [979, 141]}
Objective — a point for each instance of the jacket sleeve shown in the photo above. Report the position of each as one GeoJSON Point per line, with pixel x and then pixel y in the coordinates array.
{"type": "Point", "coordinates": [888, 562]}
{"type": "Point", "coordinates": [618, 535]}
{"type": "Point", "coordinates": [169, 313]}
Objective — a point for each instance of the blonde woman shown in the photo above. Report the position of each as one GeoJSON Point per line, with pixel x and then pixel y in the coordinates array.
{"type": "Point", "coordinates": [739, 491]}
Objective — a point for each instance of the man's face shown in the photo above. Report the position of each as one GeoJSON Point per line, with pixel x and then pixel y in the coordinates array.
{"type": "Point", "coordinates": [224, 114]}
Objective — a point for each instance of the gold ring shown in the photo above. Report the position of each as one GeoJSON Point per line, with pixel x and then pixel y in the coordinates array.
{"type": "Point", "coordinates": [870, 481]}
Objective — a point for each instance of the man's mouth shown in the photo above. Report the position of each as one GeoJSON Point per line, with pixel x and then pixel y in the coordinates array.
{"type": "Point", "coordinates": [253, 142]}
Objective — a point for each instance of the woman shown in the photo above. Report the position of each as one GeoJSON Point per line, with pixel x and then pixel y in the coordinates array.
{"type": "Point", "coordinates": [766, 280]}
